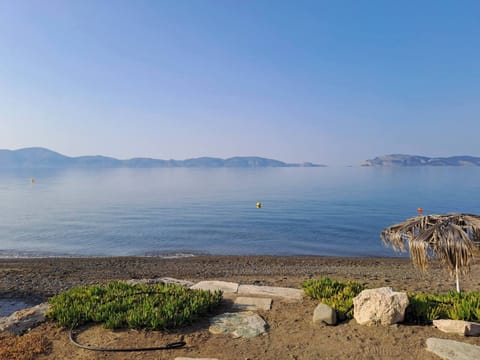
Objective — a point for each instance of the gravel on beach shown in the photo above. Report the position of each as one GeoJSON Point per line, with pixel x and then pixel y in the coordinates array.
{"type": "Point", "coordinates": [44, 277]}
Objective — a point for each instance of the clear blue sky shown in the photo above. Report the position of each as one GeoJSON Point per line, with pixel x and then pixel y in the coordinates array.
{"type": "Point", "coordinates": [332, 82]}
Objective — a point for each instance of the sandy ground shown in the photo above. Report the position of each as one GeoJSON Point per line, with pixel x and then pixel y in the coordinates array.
{"type": "Point", "coordinates": [291, 335]}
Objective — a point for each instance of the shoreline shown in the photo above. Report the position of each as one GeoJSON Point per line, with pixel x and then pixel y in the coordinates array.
{"type": "Point", "coordinates": [6, 255]}
{"type": "Point", "coordinates": [44, 277]}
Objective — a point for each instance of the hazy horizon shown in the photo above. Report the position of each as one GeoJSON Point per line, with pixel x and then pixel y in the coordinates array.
{"type": "Point", "coordinates": [331, 83]}
{"type": "Point", "coordinates": [225, 158]}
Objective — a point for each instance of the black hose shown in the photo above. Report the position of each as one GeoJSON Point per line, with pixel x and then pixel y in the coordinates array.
{"type": "Point", "coordinates": [170, 346]}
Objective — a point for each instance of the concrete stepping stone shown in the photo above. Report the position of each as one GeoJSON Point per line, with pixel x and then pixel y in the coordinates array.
{"type": "Point", "coordinates": [244, 324]}
{"type": "Point", "coordinates": [164, 280]}
{"type": "Point", "coordinates": [282, 292]}
{"type": "Point", "coordinates": [23, 320]}
{"type": "Point", "coordinates": [169, 280]}
{"type": "Point", "coordinates": [453, 350]}
{"type": "Point", "coordinates": [226, 287]}
{"type": "Point", "coordinates": [460, 327]}
{"type": "Point", "coordinates": [251, 303]}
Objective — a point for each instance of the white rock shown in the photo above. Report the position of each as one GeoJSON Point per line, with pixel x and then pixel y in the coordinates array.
{"type": "Point", "coordinates": [244, 324]}
{"type": "Point", "coordinates": [226, 287]}
{"type": "Point", "coordinates": [379, 306]}
{"type": "Point", "coordinates": [460, 327]}
{"type": "Point", "coordinates": [453, 350]}
{"type": "Point", "coordinates": [324, 314]}
{"type": "Point", "coordinates": [23, 320]}
{"type": "Point", "coordinates": [250, 303]}
{"type": "Point", "coordinates": [282, 292]}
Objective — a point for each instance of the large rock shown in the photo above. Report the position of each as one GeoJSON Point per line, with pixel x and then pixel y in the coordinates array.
{"type": "Point", "coordinates": [23, 320]}
{"type": "Point", "coordinates": [379, 306]}
{"type": "Point", "coordinates": [460, 327]}
{"type": "Point", "coordinates": [324, 314]}
{"type": "Point", "coordinates": [224, 286]}
{"type": "Point", "coordinates": [453, 350]}
{"type": "Point", "coordinates": [282, 292]}
{"type": "Point", "coordinates": [244, 324]}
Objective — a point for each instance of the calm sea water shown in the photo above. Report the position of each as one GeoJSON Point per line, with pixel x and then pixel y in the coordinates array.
{"type": "Point", "coordinates": [306, 211]}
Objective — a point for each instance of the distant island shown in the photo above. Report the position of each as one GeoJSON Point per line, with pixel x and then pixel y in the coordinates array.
{"type": "Point", "coordinates": [36, 157]}
{"type": "Point", "coordinates": [415, 160]}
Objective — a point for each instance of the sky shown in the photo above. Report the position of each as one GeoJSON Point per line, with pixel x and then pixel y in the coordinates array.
{"type": "Point", "coordinates": [331, 82]}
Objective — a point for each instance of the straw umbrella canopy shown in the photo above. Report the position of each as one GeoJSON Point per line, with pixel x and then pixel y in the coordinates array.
{"type": "Point", "coordinates": [451, 238]}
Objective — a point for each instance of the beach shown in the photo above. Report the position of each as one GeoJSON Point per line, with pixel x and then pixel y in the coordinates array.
{"type": "Point", "coordinates": [291, 335]}
{"type": "Point", "coordinates": [44, 277]}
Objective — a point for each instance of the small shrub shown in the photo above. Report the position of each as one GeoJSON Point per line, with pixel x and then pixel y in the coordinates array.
{"type": "Point", "coordinates": [119, 305]}
{"type": "Point", "coordinates": [424, 308]}
{"type": "Point", "coordinates": [336, 294]}
{"type": "Point", "coordinates": [464, 306]}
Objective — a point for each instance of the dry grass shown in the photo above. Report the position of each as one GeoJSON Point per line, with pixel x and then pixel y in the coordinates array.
{"type": "Point", "coordinates": [25, 347]}
{"type": "Point", "coordinates": [451, 238]}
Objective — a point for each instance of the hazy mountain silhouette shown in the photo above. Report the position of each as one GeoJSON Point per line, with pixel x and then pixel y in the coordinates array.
{"type": "Point", "coordinates": [416, 160]}
{"type": "Point", "coordinates": [37, 157]}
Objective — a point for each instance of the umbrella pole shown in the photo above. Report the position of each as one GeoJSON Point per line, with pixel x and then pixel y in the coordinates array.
{"type": "Point", "coordinates": [456, 276]}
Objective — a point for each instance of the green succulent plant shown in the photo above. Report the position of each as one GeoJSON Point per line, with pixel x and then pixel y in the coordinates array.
{"type": "Point", "coordinates": [120, 305]}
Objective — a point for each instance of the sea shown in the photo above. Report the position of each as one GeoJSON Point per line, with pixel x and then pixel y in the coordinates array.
{"type": "Point", "coordinates": [180, 212]}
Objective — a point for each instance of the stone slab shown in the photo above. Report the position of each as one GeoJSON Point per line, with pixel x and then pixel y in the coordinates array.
{"type": "Point", "coordinates": [282, 292]}
{"type": "Point", "coordinates": [251, 303]}
{"type": "Point", "coordinates": [224, 286]}
{"type": "Point", "coordinates": [164, 280]}
{"type": "Point", "coordinates": [245, 324]}
{"type": "Point", "coordinates": [460, 327]}
{"type": "Point", "coordinates": [453, 350]}
{"type": "Point", "coordinates": [169, 280]}
{"type": "Point", "coordinates": [23, 320]}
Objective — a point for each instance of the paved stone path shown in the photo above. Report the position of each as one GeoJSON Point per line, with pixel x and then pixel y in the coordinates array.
{"type": "Point", "coordinates": [245, 324]}
{"type": "Point", "coordinates": [226, 287]}
{"type": "Point", "coordinates": [252, 290]}
{"type": "Point", "coordinates": [252, 303]}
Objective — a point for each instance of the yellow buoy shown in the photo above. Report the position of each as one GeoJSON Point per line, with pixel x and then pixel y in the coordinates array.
{"type": "Point", "coordinates": [259, 205]}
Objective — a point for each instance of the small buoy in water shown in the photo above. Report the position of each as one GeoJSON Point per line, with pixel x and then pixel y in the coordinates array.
{"type": "Point", "coordinates": [420, 210]}
{"type": "Point", "coordinates": [259, 205]}
{"type": "Point", "coordinates": [33, 181]}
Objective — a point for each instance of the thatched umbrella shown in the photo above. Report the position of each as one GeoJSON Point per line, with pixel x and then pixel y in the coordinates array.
{"type": "Point", "coordinates": [451, 238]}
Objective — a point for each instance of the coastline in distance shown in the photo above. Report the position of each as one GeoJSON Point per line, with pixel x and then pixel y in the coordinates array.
{"type": "Point", "coordinates": [37, 157]}
{"type": "Point", "coordinates": [416, 160]}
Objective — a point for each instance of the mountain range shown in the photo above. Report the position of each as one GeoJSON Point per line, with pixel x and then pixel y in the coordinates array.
{"type": "Point", "coordinates": [415, 160]}
{"type": "Point", "coordinates": [37, 157]}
